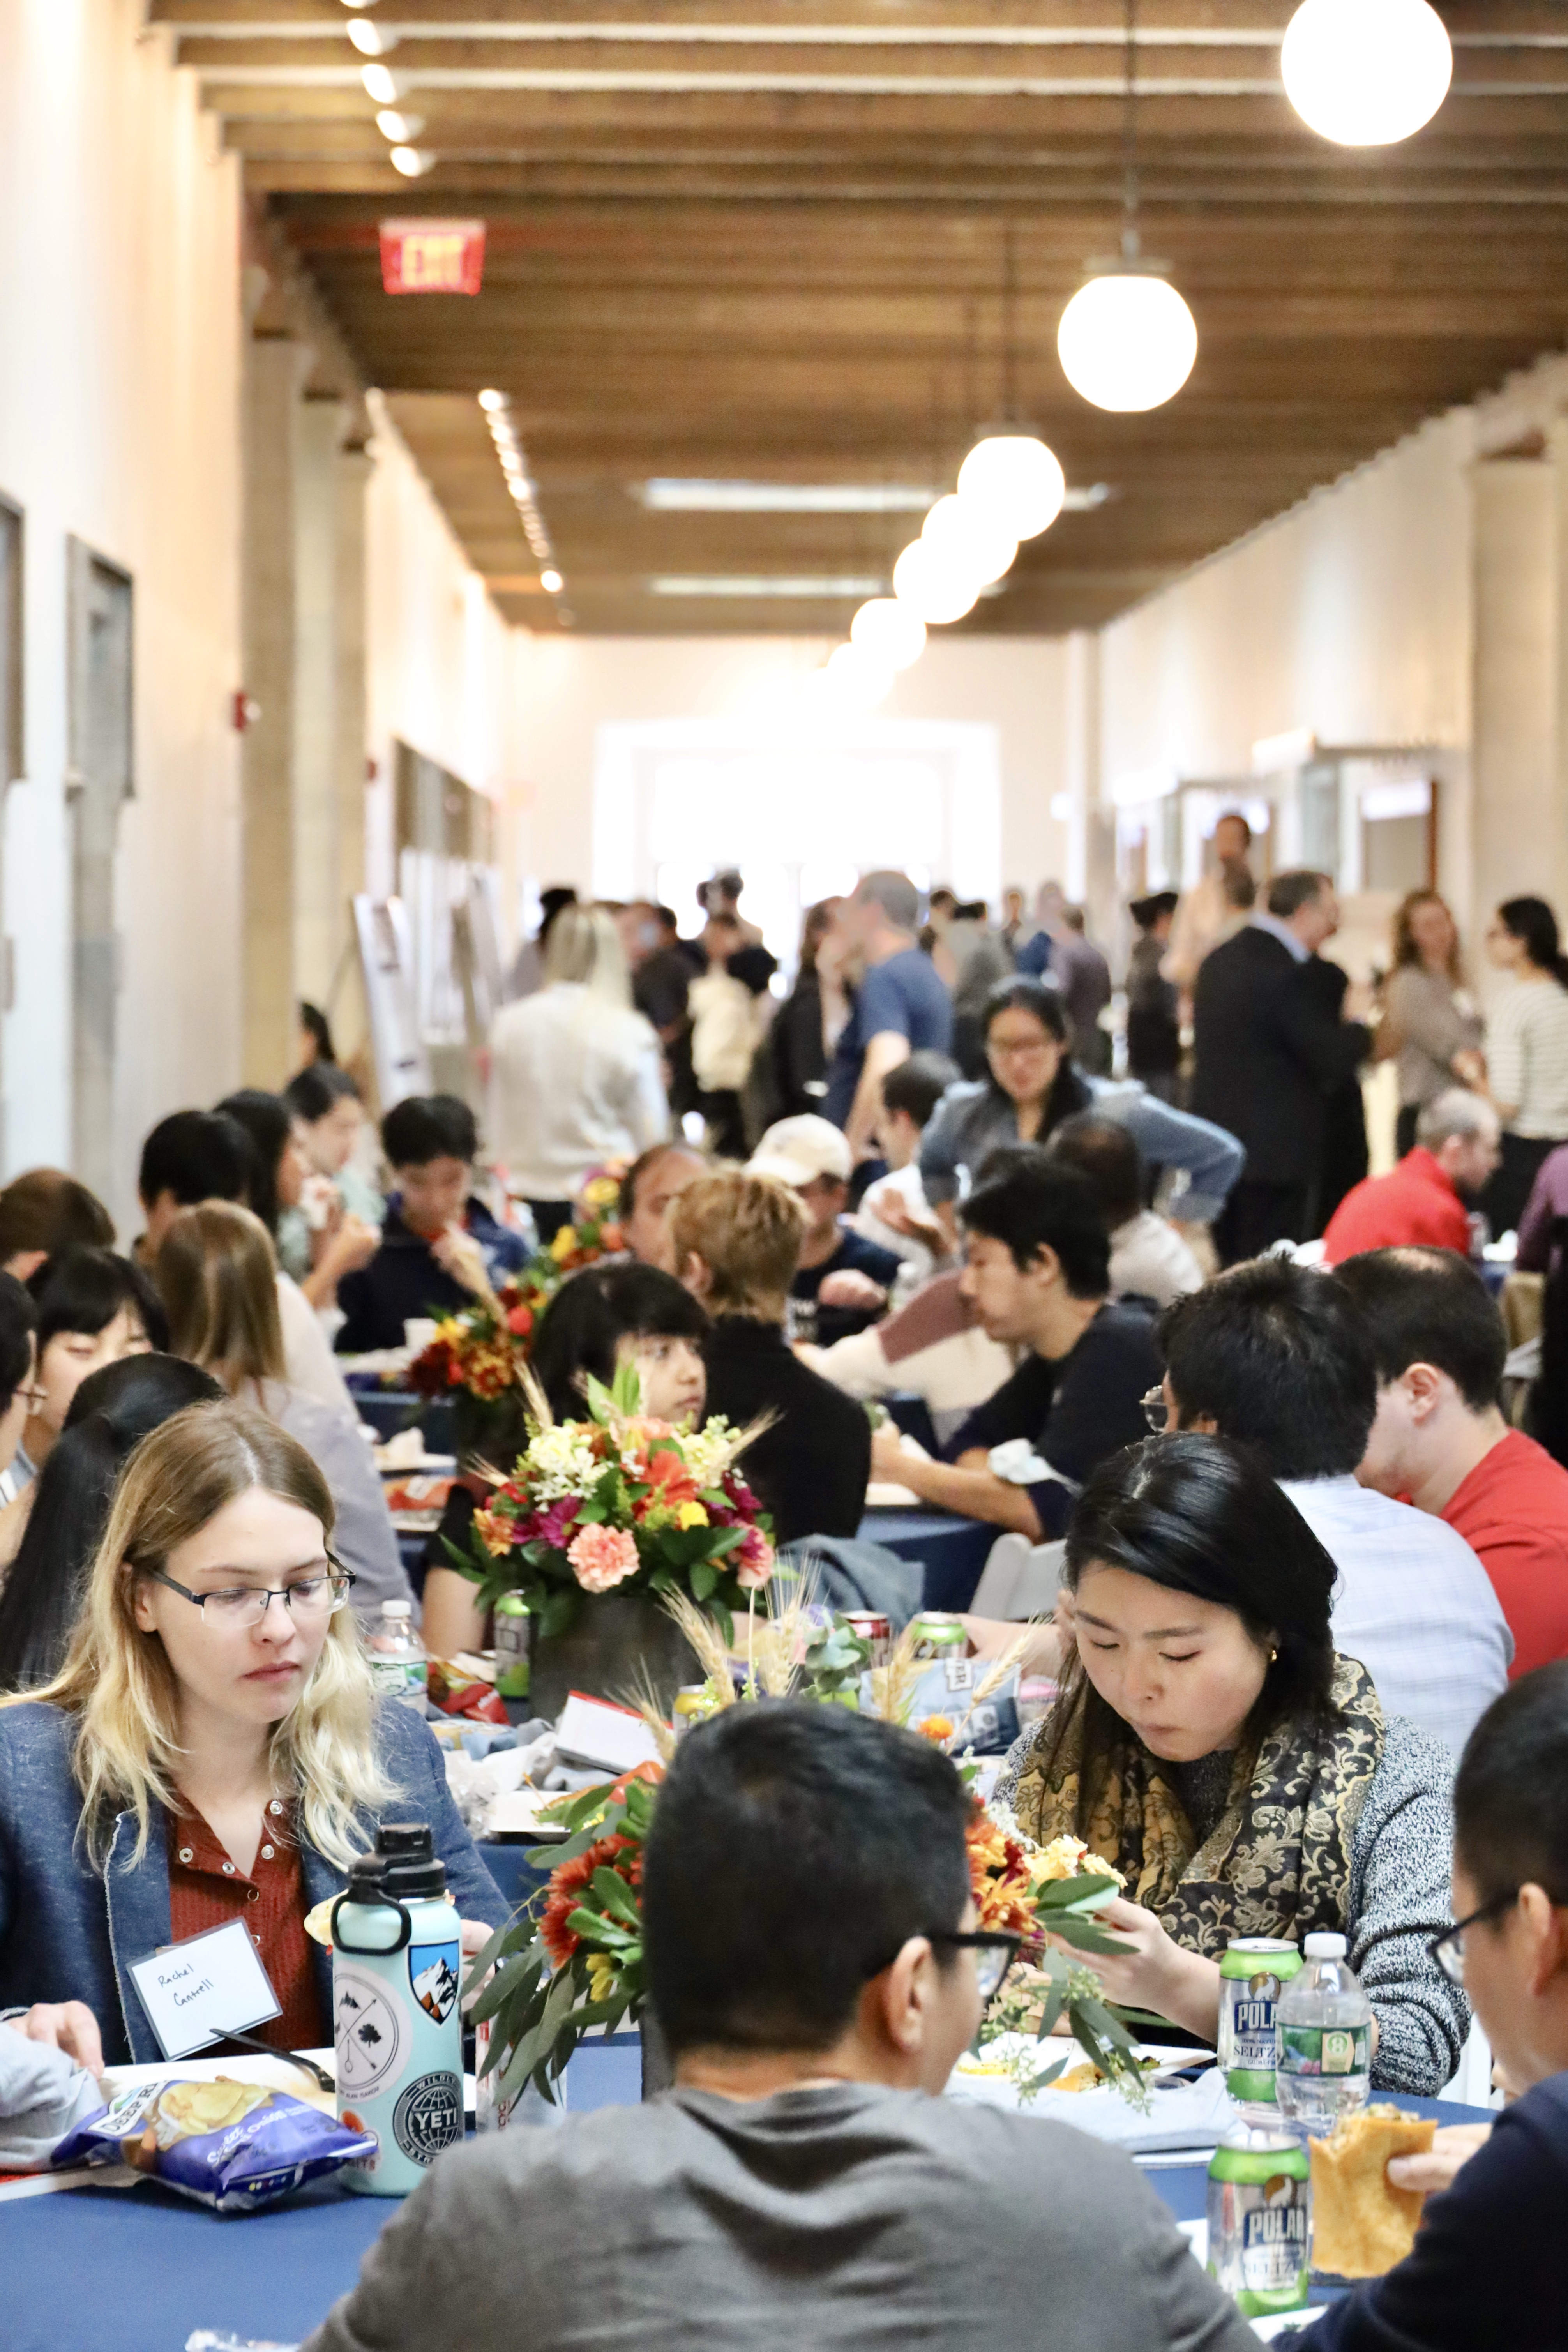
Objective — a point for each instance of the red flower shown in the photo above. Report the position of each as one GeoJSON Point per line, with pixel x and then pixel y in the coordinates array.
{"type": "Point", "coordinates": [567, 1887]}
{"type": "Point", "coordinates": [519, 1321]}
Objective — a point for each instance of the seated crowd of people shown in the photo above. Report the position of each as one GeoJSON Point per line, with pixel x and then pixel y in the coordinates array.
{"type": "Point", "coordinates": [1310, 1650]}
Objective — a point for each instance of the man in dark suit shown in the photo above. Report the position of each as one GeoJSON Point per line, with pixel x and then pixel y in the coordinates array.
{"type": "Point", "coordinates": [1268, 1054]}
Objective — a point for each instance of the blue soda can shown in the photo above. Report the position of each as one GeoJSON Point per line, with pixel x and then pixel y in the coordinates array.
{"type": "Point", "coordinates": [397, 2025]}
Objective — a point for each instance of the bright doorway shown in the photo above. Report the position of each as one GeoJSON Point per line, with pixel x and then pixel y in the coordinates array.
{"type": "Point", "coordinates": [674, 800]}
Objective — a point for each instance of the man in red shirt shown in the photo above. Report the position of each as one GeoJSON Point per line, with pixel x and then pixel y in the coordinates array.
{"type": "Point", "coordinates": [1440, 1440]}
{"type": "Point", "coordinates": [1423, 1198]}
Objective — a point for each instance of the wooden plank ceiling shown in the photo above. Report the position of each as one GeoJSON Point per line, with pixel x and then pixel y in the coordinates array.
{"type": "Point", "coordinates": [767, 239]}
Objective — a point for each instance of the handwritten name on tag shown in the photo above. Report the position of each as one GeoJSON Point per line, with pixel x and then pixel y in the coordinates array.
{"type": "Point", "coordinates": [210, 1986]}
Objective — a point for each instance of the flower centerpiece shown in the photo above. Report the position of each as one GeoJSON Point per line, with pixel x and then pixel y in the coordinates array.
{"type": "Point", "coordinates": [573, 1957]}
{"type": "Point", "coordinates": [475, 1358]}
{"type": "Point", "coordinates": [1040, 1892]}
{"type": "Point", "coordinates": [618, 1505]}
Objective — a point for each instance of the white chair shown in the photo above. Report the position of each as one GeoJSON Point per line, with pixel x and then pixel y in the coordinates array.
{"type": "Point", "coordinates": [1472, 2083]}
{"type": "Point", "coordinates": [1019, 1581]}
{"type": "Point", "coordinates": [1004, 1566]}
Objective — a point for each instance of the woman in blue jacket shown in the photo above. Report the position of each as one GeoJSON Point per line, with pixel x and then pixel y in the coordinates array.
{"type": "Point", "coordinates": [1032, 1085]}
{"type": "Point", "coordinates": [212, 1748]}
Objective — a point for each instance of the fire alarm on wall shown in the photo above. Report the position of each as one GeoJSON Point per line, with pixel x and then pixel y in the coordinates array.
{"type": "Point", "coordinates": [244, 711]}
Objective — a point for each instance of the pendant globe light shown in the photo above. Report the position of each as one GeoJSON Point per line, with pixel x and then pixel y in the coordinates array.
{"type": "Point", "coordinates": [1127, 340]}
{"type": "Point", "coordinates": [1010, 477]}
{"type": "Point", "coordinates": [890, 632]}
{"type": "Point", "coordinates": [1013, 477]}
{"type": "Point", "coordinates": [1365, 73]}
{"type": "Point", "coordinates": [974, 540]}
{"type": "Point", "coordinates": [931, 586]}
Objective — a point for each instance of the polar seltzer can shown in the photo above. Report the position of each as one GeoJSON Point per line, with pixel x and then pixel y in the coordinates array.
{"type": "Point", "coordinates": [1260, 2220]}
{"type": "Point", "coordinates": [1251, 1973]}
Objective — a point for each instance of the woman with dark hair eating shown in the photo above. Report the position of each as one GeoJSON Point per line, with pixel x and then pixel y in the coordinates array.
{"type": "Point", "coordinates": [1212, 1744]}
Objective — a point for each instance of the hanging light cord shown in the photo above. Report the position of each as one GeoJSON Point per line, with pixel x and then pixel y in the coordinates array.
{"type": "Point", "coordinates": [1129, 238]}
{"type": "Point", "coordinates": [1010, 323]}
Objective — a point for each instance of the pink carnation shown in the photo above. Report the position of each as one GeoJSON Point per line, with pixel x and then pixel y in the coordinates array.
{"type": "Point", "coordinates": [602, 1557]}
{"type": "Point", "coordinates": [753, 1558]}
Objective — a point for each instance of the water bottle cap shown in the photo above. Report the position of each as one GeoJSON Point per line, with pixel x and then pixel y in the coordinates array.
{"type": "Point", "coordinates": [1325, 1947]}
{"type": "Point", "coordinates": [396, 1609]}
{"type": "Point", "coordinates": [404, 1864]}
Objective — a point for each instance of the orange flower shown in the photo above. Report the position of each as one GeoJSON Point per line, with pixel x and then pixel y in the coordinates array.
{"type": "Point", "coordinates": [668, 1477]}
{"type": "Point", "coordinates": [999, 1878]}
{"type": "Point", "coordinates": [567, 1887]}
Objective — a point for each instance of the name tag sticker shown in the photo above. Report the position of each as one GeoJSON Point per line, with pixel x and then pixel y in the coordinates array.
{"type": "Point", "coordinates": [210, 1986]}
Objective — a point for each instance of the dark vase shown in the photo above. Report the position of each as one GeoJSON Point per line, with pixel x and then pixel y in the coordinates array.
{"type": "Point", "coordinates": [489, 1433]}
{"type": "Point", "coordinates": [619, 1643]}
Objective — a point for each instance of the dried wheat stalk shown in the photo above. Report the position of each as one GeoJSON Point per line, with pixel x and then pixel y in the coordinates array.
{"type": "Point", "coordinates": [706, 1640]}
{"type": "Point", "coordinates": [893, 1685]}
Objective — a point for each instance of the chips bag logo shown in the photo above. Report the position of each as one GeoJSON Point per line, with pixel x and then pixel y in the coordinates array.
{"type": "Point", "coordinates": [433, 1976]}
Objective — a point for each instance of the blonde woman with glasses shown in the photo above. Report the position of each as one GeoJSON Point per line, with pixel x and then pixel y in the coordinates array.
{"type": "Point", "coordinates": [217, 1278]}
{"type": "Point", "coordinates": [211, 1749]}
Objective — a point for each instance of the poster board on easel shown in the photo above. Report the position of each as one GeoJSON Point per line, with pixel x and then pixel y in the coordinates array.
{"type": "Point", "coordinates": [385, 955]}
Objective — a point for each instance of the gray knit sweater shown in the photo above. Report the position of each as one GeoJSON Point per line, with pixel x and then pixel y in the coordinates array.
{"type": "Point", "coordinates": [1399, 1897]}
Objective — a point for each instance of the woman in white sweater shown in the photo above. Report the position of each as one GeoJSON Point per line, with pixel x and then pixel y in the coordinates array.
{"type": "Point", "coordinates": [575, 1074]}
{"type": "Point", "coordinates": [1527, 1051]}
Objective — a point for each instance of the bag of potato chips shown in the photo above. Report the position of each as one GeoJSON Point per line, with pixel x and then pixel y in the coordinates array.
{"type": "Point", "coordinates": [232, 2145]}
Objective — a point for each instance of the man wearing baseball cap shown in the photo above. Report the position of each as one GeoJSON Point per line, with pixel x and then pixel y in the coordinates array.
{"type": "Point", "coordinates": [841, 1275]}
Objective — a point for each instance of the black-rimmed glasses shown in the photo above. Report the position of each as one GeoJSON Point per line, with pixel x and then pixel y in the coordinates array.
{"type": "Point", "coordinates": [994, 1952]}
{"type": "Point", "coordinates": [308, 1599]}
{"type": "Point", "coordinates": [1448, 1948]}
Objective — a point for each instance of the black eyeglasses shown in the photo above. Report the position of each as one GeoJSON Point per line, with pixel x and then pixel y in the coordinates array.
{"type": "Point", "coordinates": [994, 1952]}
{"type": "Point", "coordinates": [1448, 1948]}
{"type": "Point", "coordinates": [308, 1599]}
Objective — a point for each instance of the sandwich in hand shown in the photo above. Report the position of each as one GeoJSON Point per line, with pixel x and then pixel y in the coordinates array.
{"type": "Point", "coordinates": [1362, 2225]}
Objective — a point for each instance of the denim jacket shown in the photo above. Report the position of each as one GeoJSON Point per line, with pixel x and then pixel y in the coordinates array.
{"type": "Point", "coordinates": [68, 1932]}
{"type": "Point", "coordinates": [973, 1116]}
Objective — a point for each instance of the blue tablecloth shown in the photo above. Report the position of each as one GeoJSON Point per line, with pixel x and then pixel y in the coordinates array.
{"type": "Point", "coordinates": [952, 1551]}
{"type": "Point", "coordinates": [389, 1409]}
{"type": "Point", "coordinates": [135, 2270]}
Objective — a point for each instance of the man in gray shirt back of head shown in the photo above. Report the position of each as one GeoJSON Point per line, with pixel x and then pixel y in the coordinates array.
{"type": "Point", "coordinates": [812, 1958]}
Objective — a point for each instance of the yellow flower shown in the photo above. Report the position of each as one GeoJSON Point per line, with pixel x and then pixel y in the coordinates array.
{"type": "Point", "coordinates": [691, 1515]}
{"type": "Point", "coordinates": [1068, 1858]}
{"type": "Point", "coordinates": [601, 1976]}
{"type": "Point", "coordinates": [565, 1242]}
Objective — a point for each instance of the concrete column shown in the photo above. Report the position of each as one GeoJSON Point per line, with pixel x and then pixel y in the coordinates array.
{"type": "Point", "coordinates": [318, 897]}
{"type": "Point", "coordinates": [1518, 839]}
{"type": "Point", "coordinates": [276, 366]}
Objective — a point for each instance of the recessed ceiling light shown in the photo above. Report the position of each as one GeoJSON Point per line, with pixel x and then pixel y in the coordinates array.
{"type": "Point", "coordinates": [372, 40]}
{"type": "Point", "coordinates": [378, 82]}
{"type": "Point", "coordinates": [401, 128]}
{"type": "Point", "coordinates": [552, 582]}
{"type": "Point", "coordinates": [804, 589]}
{"type": "Point", "coordinates": [493, 401]}
{"type": "Point", "coordinates": [412, 162]}
{"type": "Point", "coordinates": [676, 494]}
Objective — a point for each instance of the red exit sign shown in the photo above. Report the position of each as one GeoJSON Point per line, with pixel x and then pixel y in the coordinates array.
{"type": "Point", "coordinates": [432, 256]}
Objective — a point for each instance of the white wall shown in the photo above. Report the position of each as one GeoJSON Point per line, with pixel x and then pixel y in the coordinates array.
{"type": "Point", "coordinates": [1386, 610]}
{"type": "Point", "coordinates": [571, 685]}
{"type": "Point", "coordinates": [119, 422]}
{"type": "Point", "coordinates": [442, 669]}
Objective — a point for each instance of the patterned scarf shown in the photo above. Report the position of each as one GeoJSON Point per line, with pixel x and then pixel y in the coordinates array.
{"type": "Point", "coordinates": [1278, 1863]}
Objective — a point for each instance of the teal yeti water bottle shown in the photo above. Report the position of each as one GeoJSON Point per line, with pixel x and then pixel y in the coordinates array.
{"type": "Point", "coordinates": [396, 1972]}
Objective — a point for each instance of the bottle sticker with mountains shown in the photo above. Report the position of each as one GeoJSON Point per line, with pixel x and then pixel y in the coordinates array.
{"type": "Point", "coordinates": [435, 1977]}
{"type": "Point", "coordinates": [1325, 2049]}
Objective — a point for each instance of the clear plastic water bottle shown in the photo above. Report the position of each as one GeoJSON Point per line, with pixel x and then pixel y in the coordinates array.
{"type": "Point", "coordinates": [399, 1666]}
{"type": "Point", "coordinates": [1323, 2020]}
